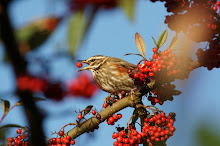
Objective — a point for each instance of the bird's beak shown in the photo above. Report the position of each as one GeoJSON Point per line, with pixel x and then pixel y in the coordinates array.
{"type": "Point", "coordinates": [85, 68]}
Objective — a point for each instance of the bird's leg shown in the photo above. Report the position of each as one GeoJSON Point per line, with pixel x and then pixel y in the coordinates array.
{"type": "Point", "coordinates": [110, 98]}
{"type": "Point", "coordinates": [132, 92]}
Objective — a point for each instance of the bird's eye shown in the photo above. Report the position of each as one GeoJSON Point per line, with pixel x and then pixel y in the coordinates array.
{"type": "Point", "coordinates": [92, 60]}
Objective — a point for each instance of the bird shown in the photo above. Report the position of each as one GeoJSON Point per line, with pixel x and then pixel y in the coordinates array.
{"type": "Point", "coordinates": [110, 74]}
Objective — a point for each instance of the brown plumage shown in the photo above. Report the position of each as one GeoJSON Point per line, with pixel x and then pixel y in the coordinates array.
{"type": "Point", "coordinates": [110, 74]}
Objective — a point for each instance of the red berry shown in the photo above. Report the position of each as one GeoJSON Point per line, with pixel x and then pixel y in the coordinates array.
{"type": "Point", "coordinates": [162, 114]}
{"type": "Point", "coordinates": [72, 142]}
{"type": "Point", "coordinates": [162, 133]}
{"type": "Point", "coordinates": [111, 119]}
{"type": "Point", "coordinates": [172, 129]}
{"type": "Point", "coordinates": [19, 137]}
{"type": "Point", "coordinates": [154, 50]}
{"type": "Point", "coordinates": [214, 26]}
{"type": "Point", "coordinates": [169, 125]}
{"type": "Point", "coordinates": [116, 134]}
{"type": "Point", "coordinates": [218, 4]}
{"type": "Point", "coordinates": [10, 139]}
{"type": "Point", "coordinates": [79, 116]}
{"type": "Point", "coordinates": [151, 74]}
{"type": "Point", "coordinates": [79, 64]}
{"type": "Point", "coordinates": [19, 131]}
{"type": "Point", "coordinates": [24, 136]}
{"type": "Point", "coordinates": [162, 138]}
{"type": "Point", "coordinates": [125, 140]}
{"type": "Point", "coordinates": [61, 133]}
{"type": "Point", "coordinates": [119, 116]}
{"type": "Point", "coordinates": [93, 112]}
{"type": "Point", "coordinates": [148, 63]}
{"type": "Point", "coordinates": [215, 8]}
{"type": "Point", "coordinates": [136, 75]}
{"type": "Point", "coordinates": [122, 133]}
{"type": "Point", "coordinates": [158, 122]}
{"type": "Point", "coordinates": [68, 137]}
{"type": "Point", "coordinates": [139, 136]}
{"type": "Point", "coordinates": [104, 105]}
{"type": "Point", "coordinates": [115, 117]}
{"type": "Point", "coordinates": [119, 139]}
{"type": "Point", "coordinates": [131, 141]}
{"type": "Point", "coordinates": [58, 140]}
{"type": "Point", "coordinates": [134, 132]}
{"type": "Point", "coordinates": [115, 143]}
{"type": "Point", "coordinates": [155, 56]}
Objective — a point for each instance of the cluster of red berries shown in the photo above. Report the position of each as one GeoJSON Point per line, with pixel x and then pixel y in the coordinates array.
{"type": "Point", "coordinates": [29, 83]}
{"type": "Point", "coordinates": [210, 58]}
{"type": "Point", "coordinates": [164, 66]}
{"type": "Point", "coordinates": [35, 84]}
{"type": "Point", "coordinates": [65, 141]}
{"type": "Point", "coordinates": [82, 86]}
{"type": "Point", "coordinates": [127, 137]}
{"type": "Point", "coordinates": [80, 4]}
{"type": "Point", "coordinates": [188, 14]}
{"type": "Point", "coordinates": [20, 140]}
{"type": "Point", "coordinates": [161, 94]}
{"type": "Point", "coordinates": [158, 127]}
{"type": "Point", "coordinates": [114, 118]}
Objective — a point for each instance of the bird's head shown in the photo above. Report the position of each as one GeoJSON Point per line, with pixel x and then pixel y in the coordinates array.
{"type": "Point", "coordinates": [94, 62]}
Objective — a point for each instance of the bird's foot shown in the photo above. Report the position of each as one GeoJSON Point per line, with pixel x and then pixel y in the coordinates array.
{"type": "Point", "coordinates": [132, 93]}
{"type": "Point", "coordinates": [111, 98]}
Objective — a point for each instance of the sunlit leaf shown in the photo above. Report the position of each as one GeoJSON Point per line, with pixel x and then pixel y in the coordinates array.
{"type": "Point", "coordinates": [207, 137]}
{"type": "Point", "coordinates": [174, 41]}
{"type": "Point", "coordinates": [75, 30]}
{"type": "Point", "coordinates": [136, 116]}
{"type": "Point", "coordinates": [128, 7]}
{"type": "Point", "coordinates": [35, 100]}
{"type": "Point", "coordinates": [162, 39]}
{"type": "Point", "coordinates": [155, 42]}
{"type": "Point", "coordinates": [87, 110]}
{"type": "Point", "coordinates": [140, 44]}
{"type": "Point", "coordinates": [11, 126]}
{"type": "Point", "coordinates": [5, 106]}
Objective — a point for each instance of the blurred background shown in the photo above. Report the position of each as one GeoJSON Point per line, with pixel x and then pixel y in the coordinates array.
{"type": "Point", "coordinates": [72, 32]}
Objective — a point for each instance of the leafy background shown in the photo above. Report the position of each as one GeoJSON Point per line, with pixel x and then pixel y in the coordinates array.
{"type": "Point", "coordinates": [112, 33]}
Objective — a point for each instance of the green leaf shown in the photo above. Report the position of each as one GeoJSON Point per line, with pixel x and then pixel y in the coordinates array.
{"type": "Point", "coordinates": [136, 116]}
{"type": "Point", "coordinates": [5, 106]}
{"type": "Point", "coordinates": [36, 33]}
{"type": "Point", "coordinates": [134, 54]}
{"type": "Point", "coordinates": [176, 92]}
{"type": "Point", "coordinates": [155, 42]}
{"type": "Point", "coordinates": [128, 7]}
{"type": "Point", "coordinates": [162, 39]}
{"type": "Point", "coordinates": [35, 100]}
{"type": "Point", "coordinates": [207, 137]}
{"type": "Point", "coordinates": [174, 42]}
{"type": "Point", "coordinates": [11, 126]}
{"type": "Point", "coordinates": [75, 30]}
{"type": "Point", "coordinates": [87, 110]}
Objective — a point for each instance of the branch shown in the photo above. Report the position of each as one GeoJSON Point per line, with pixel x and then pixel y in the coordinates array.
{"type": "Point", "coordinates": [93, 122]}
{"type": "Point", "coordinates": [19, 66]}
